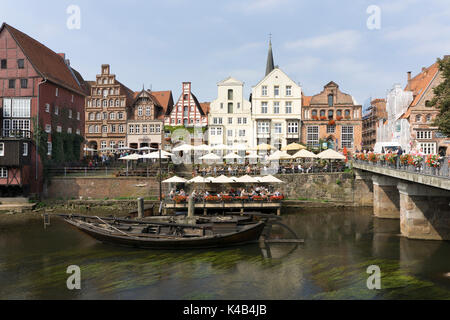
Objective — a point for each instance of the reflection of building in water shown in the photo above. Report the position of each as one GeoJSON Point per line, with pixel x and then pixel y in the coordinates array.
{"type": "Point", "coordinates": [385, 238]}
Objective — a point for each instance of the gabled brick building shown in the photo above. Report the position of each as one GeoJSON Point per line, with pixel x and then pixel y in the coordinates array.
{"type": "Point", "coordinates": [37, 86]}
{"type": "Point", "coordinates": [333, 117]}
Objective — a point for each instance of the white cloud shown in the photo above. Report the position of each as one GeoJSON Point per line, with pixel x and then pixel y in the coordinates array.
{"type": "Point", "coordinates": [345, 40]}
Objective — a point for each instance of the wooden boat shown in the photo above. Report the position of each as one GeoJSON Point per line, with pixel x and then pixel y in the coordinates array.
{"type": "Point", "coordinates": [166, 235]}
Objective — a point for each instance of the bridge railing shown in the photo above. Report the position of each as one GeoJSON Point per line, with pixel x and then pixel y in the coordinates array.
{"type": "Point", "coordinates": [439, 168]}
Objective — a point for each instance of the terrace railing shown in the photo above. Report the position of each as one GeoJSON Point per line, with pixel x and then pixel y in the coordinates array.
{"type": "Point", "coordinates": [420, 167]}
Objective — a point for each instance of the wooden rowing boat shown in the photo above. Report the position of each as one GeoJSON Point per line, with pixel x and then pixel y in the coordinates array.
{"type": "Point", "coordinates": [166, 235]}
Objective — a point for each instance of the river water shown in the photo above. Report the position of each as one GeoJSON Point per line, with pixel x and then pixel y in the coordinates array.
{"type": "Point", "coordinates": [340, 244]}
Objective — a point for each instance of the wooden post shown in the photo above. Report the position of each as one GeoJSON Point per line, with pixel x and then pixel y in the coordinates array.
{"type": "Point", "coordinates": [140, 208]}
{"type": "Point", "coordinates": [191, 207]}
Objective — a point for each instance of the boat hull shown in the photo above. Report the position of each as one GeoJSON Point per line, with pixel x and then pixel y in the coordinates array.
{"type": "Point", "coordinates": [246, 235]}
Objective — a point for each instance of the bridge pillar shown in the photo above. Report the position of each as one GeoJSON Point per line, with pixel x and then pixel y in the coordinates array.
{"type": "Point", "coordinates": [424, 212]}
{"type": "Point", "coordinates": [386, 199]}
{"type": "Point", "coordinates": [363, 188]}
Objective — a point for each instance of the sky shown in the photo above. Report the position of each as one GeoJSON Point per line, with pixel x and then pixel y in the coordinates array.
{"type": "Point", "coordinates": [160, 44]}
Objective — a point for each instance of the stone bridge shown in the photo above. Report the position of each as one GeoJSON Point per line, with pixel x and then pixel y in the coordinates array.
{"type": "Point", "coordinates": [419, 198]}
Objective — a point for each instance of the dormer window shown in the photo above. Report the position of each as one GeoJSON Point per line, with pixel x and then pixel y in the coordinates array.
{"type": "Point", "coordinates": [230, 94]}
{"type": "Point", "coordinates": [330, 100]}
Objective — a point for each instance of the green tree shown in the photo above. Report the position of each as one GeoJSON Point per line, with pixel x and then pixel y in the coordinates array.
{"type": "Point", "coordinates": [442, 97]}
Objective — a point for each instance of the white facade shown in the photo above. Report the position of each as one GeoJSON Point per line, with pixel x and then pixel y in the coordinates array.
{"type": "Point", "coordinates": [276, 110]}
{"type": "Point", "coordinates": [396, 129]}
{"type": "Point", "coordinates": [230, 120]}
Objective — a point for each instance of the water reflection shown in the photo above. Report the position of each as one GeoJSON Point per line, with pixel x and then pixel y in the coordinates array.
{"type": "Point", "coordinates": [339, 246]}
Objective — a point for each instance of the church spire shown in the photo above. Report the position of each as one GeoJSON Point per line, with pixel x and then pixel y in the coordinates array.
{"type": "Point", "coordinates": [270, 63]}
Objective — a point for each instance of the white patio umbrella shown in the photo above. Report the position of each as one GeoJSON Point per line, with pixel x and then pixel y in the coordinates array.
{"type": "Point", "coordinates": [232, 156]}
{"type": "Point", "coordinates": [131, 157]}
{"type": "Point", "coordinates": [202, 147]}
{"type": "Point", "coordinates": [125, 148]}
{"type": "Point", "coordinates": [222, 179]}
{"type": "Point", "coordinates": [175, 179]}
{"type": "Point", "coordinates": [210, 156]}
{"type": "Point", "coordinates": [279, 155]}
{"type": "Point", "coordinates": [184, 148]}
{"type": "Point", "coordinates": [154, 155]}
{"type": "Point", "coordinates": [238, 147]}
{"type": "Point", "coordinates": [270, 179]}
{"type": "Point", "coordinates": [304, 154]}
{"type": "Point", "coordinates": [330, 154]}
{"type": "Point", "coordinates": [246, 179]}
{"type": "Point", "coordinates": [199, 179]}
{"type": "Point", "coordinates": [253, 155]}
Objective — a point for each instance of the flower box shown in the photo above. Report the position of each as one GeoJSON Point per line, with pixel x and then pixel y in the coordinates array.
{"type": "Point", "coordinates": [212, 199]}
{"type": "Point", "coordinates": [180, 199]}
{"type": "Point", "coordinates": [276, 198]}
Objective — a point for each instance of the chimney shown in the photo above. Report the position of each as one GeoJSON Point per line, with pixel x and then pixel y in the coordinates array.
{"type": "Point", "coordinates": [408, 87]}
{"type": "Point", "coordinates": [67, 62]}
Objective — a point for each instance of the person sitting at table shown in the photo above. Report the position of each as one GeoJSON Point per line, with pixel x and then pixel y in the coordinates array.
{"type": "Point", "coordinates": [172, 193]}
{"type": "Point", "coordinates": [182, 193]}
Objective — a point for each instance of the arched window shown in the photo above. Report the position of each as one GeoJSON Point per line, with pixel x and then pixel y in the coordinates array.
{"type": "Point", "coordinates": [91, 129]}
{"type": "Point", "coordinates": [112, 116]}
{"type": "Point", "coordinates": [105, 116]}
{"type": "Point", "coordinates": [418, 118]}
{"type": "Point", "coordinates": [105, 129]}
{"type": "Point", "coordinates": [111, 103]}
{"type": "Point", "coordinates": [322, 113]}
{"type": "Point", "coordinates": [230, 94]}
{"type": "Point", "coordinates": [429, 118]}
{"type": "Point", "coordinates": [99, 103]}
{"type": "Point", "coordinates": [97, 129]}
{"type": "Point", "coordinates": [330, 114]}
{"type": "Point", "coordinates": [117, 103]}
{"type": "Point", "coordinates": [347, 113]}
{"type": "Point", "coordinates": [105, 103]}
{"type": "Point", "coordinates": [330, 100]}
{"type": "Point", "coordinates": [314, 113]}
{"type": "Point", "coordinates": [98, 116]}
{"type": "Point", "coordinates": [91, 116]}
{"type": "Point", "coordinates": [339, 113]}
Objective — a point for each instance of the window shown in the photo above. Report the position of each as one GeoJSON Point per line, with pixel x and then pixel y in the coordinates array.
{"type": "Point", "coordinates": [105, 103]}
{"type": "Point", "coordinates": [20, 64]}
{"type": "Point", "coordinates": [4, 173]}
{"type": "Point", "coordinates": [111, 103]}
{"type": "Point", "coordinates": [112, 116]}
{"type": "Point", "coordinates": [24, 83]}
{"type": "Point", "coordinates": [239, 105]}
{"type": "Point", "coordinates": [312, 136]}
{"type": "Point", "coordinates": [49, 148]}
{"type": "Point", "coordinates": [276, 107]}
{"type": "Point", "coordinates": [98, 116]}
{"type": "Point", "coordinates": [217, 120]}
{"type": "Point", "coordinates": [241, 133]}
{"type": "Point", "coordinates": [230, 108]}
{"type": "Point", "coordinates": [230, 133]}
{"type": "Point", "coordinates": [69, 130]}
{"type": "Point", "coordinates": [219, 131]}
{"type": "Point", "coordinates": [72, 98]}
{"type": "Point", "coordinates": [230, 120]}
{"type": "Point", "coordinates": [131, 129]}
{"type": "Point", "coordinates": [244, 120]}
{"type": "Point", "coordinates": [12, 83]}
{"type": "Point", "coordinates": [105, 115]}
{"type": "Point", "coordinates": [70, 113]}
{"type": "Point", "coordinates": [78, 131]}
{"type": "Point", "coordinates": [105, 129]}
{"type": "Point", "coordinates": [288, 91]}
{"type": "Point", "coordinates": [263, 127]}
{"type": "Point", "coordinates": [263, 107]}
{"type": "Point", "coordinates": [48, 128]}
{"type": "Point", "coordinates": [158, 128]}
{"type": "Point", "coordinates": [56, 110]}
{"type": "Point", "coordinates": [331, 129]}
{"type": "Point", "coordinates": [4, 64]}
{"type": "Point", "coordinates": [288, 107]}
{"type": "Point", "coordinates": [120, 115]}
{"type": "Point", "coordinates": [418, 118]}
{"type": "Point", "coordinates": [121, 128]}
{"type": "Point", "coordinates": [112, 144]}
{"type": "Point", "coordinates": [264, 91]}
{"type": "Point", "coordinates": [59, 129]}
{"type": "Point", "coordinates": [113, 128]}
{"type": "Point", "coordinates": [221, 105]}
{"type": "Point", "coordinates": [212, 132]}
{"type": "Point", "coordinates": [121, 144]}
{"type": "Point", "coordinates": [330, 114]}
{"type": "Point", "coordinates": [230, 94]}
{"type": "Point", "coordinates": [278, 128]}
{"type": "Point", "coordinates": [56, 92]}
{"type": "Point", "coordinates": [148, 111]}
{"type": "Point", "coordinates": [78, 116]}
{"type": "Point", "coordinates": [91, 129]}
{"type": "Point", "coordinates": [339, 113]}
{"type": "Point", "coordinates": [347, 137]}
{"type": "Point", "coordinates": [117, 103]}
{"type": "Point", "coordinates": [428, 148]}
{"type": "Point", "coordinates": [292, 127]}
{"type": "Point", "coordinates": [428, 117]}
{"type": "Point", "coordinates": [140, 112]}
{"type": "Point", "coordinates": [347, 114]}
{"type": "Point", "coordinates": [2, 149]}
{"type": "Point", "coordinates": [424, 135]}
{"type": "Point", "coordinates": [314, 113]}
{"type": "Point", "coordinates": [138, 129]}
{"type": "Point", "coordinates": [145, 128]}
{"type": "Point", "coordinates": [103, 145]}
{"type": "Point", "coordinates": [6, 127]}
{"type": "Point", "coordinates": [276, 91]}
{"type": "Point", "coordinates": [330, 100]}
{"type": "Point", "coordinates": [97, 129]}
